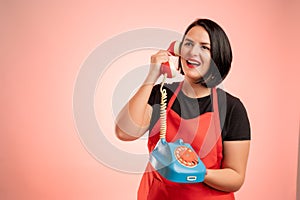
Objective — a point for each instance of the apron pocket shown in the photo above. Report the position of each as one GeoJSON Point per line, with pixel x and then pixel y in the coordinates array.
{"type": "Point", "coordinates": [160, 190]}
{"type": "Point", "coordinates": [165, 191]}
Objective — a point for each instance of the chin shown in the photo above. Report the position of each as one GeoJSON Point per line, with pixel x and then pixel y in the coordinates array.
{"type": "Point", "coordinates": [192, 74]}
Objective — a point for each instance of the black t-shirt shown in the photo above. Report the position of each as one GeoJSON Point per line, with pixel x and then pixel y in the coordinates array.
{"type": "Point", "coordinates": [233, 115]}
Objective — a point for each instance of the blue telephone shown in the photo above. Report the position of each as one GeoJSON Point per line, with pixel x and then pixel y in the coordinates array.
{"type": "Point", "coordinates": [177, 161]}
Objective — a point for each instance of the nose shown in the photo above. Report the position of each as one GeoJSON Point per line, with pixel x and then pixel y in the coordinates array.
{"type": "Point", "coordinates": [195, 50]}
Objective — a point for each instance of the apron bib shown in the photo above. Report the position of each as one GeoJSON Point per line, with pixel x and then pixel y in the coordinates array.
{"type": "Point", "coordinates": [204, 135]}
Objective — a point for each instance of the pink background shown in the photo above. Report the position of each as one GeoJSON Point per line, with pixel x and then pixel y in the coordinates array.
{"type": "Point", "coordinates": [43, 45]}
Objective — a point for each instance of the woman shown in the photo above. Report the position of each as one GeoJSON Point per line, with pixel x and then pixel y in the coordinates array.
{"type": "Point", "coordinates": [214, 122]}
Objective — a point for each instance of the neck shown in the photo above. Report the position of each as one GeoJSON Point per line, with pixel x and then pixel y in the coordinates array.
{"type": "Point", "coordinates": [194, 90]}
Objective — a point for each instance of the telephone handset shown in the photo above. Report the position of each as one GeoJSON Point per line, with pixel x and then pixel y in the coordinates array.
{"type": "Point", "coordinates": [176, 161]}
{"type": "Point", "coordinates": [169, 67]}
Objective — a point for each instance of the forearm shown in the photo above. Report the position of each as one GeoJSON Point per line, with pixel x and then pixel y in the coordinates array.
{"type": "Point", "coordinates": [134, 118]}
{"type": "Point", "coordinates": [226, 179]}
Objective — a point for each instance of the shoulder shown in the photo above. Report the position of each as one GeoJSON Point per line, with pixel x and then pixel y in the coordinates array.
{"type": "Point", "coordinates": [171, 87]}
{"type": "Point", "coordinates": [233, 116]}
{"type": "Point", "coordinates": [231, 101]}
{"type": "Point", "coordinates": [155, 93]}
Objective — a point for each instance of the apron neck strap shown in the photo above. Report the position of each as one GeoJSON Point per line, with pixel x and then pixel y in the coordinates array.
{"type": "Point", "coordinates": [174, 96]}
{"type": "Point", "coordinates": [214, 97]}
{"type": "Point", "coordinates": [216, 109]}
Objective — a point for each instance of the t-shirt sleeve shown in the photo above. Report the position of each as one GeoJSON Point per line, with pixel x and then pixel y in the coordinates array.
{"type": "Point", "coordinates": [154, 96]}
{"type": "Point", "coordinates": [237, 125]}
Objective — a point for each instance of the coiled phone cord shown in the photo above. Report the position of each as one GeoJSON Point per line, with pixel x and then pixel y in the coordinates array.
{"type": "Point", "coordinates": [163, 112]}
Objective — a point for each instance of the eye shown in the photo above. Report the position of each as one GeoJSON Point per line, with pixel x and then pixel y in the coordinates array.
{"type": "Point", "coordinates": [188, 44]}
{"type": "Point", "coordinates": [205, 47]}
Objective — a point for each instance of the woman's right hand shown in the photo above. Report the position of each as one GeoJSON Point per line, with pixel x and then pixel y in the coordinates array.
{"type": "Point", "coordinates": [157, 59]}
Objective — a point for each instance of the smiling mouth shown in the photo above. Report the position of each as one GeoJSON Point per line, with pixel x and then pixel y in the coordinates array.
{"type": "Point", "coordinates": [193, 63]}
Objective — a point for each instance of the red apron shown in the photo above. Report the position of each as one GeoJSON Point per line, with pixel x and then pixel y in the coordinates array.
{"type": "Point", "coordinates": [195, 132]}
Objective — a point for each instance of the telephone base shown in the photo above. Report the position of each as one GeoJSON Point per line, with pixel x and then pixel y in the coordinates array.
{"type": "Point", "coordinates": [177, 162]}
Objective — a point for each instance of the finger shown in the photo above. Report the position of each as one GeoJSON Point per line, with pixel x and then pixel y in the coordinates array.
{"type": "Point", "coordinates": [163, 52]}
{"type": "Point", "coordinates": [159, 58]}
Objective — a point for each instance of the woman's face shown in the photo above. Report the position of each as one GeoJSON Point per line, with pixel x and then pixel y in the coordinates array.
{"type": "Point", "coordinates": [195, 53]}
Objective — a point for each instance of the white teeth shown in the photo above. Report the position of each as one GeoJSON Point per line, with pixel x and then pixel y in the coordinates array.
{"type": "Point", "coordinates": [193, 62]}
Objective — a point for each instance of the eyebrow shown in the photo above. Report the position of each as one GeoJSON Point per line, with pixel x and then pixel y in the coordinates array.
{"type": "Point", "coordinates": [202, 43]}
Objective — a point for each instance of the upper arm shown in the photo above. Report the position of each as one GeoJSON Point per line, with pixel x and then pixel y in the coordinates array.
{"type": "Point", "coordinates": [237, 125]}
{"type": "Point", "coordinates": [236, 156]}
